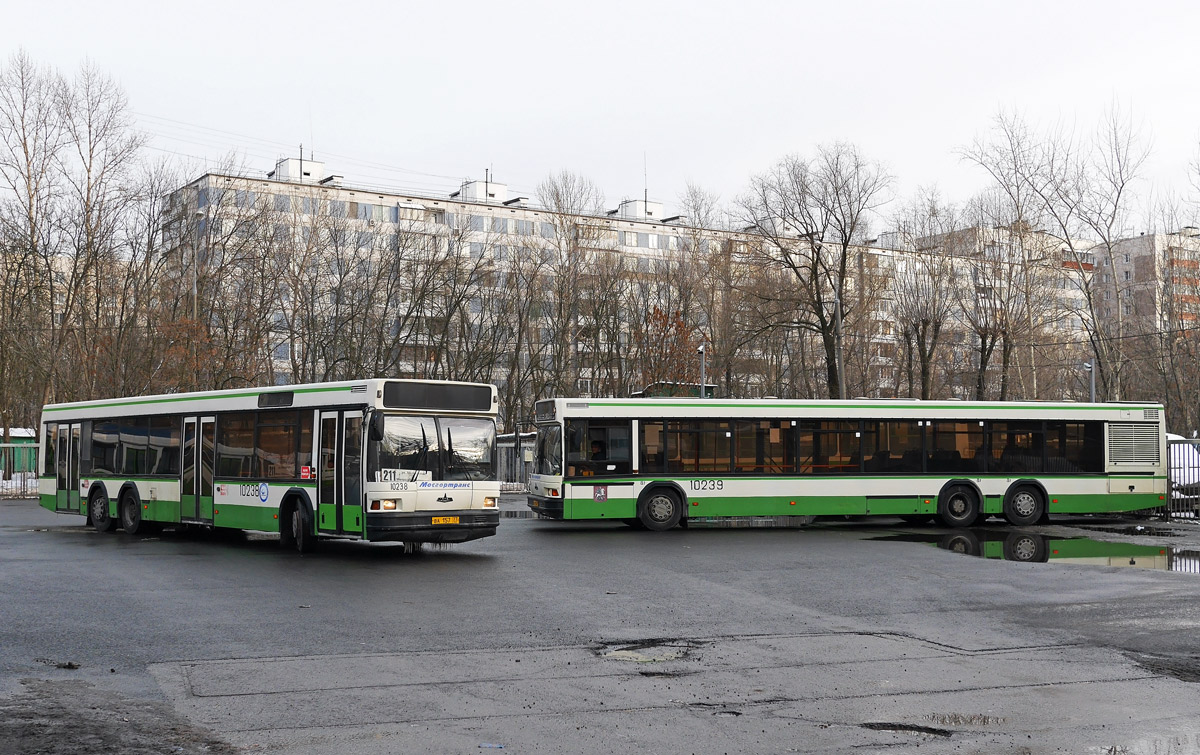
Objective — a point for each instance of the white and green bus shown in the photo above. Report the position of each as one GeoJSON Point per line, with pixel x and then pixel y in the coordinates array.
{"type": "Point", "coordinates": [661, 462]}
{"type": "Point", "coordinates": [398, 460]}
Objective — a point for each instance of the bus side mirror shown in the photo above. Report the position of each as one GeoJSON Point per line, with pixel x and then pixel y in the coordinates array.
{"type": "Point", "coordinates": [376, 428]}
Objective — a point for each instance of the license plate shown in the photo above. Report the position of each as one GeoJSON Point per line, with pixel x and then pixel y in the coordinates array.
{"type": "Point", "coordinates": [445, 520]}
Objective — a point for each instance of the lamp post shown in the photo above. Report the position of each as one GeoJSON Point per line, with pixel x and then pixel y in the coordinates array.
{"type": "Point", "coordinates": [703, 376]}
{"type": "Point", "coordinates": [1091, 380]}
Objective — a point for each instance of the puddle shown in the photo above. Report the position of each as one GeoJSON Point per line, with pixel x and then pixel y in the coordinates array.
{"type": "Point", "coordinates": [1135, 530]}
{"type": "Point", "coordinates": [1034, 548]}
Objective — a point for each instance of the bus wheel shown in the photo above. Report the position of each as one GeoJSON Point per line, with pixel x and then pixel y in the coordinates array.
{"type": "Point", "coordinates": [131, 516]}
{"type": "Point", "coordinates": [1022, 547]}
{"type": "Point", "coordinates": [302, 529]}
{"type": "Point", "coordinates": [660, 510]}
{"type": "Point", "coordinates": [98, 513]}
{"type": "Point", "coordinates": [1024, 506]}
{"type": "Point", "coordinates": [958, 506]}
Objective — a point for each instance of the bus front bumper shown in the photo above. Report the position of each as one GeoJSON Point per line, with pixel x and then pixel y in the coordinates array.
{"type": "Point", "coordinates": [432, 526]}
{"type": "Point", "coordinates": [551, 507]}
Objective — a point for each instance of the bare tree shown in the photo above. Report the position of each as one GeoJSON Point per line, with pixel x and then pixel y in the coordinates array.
{"type": "Point", "coordinates": [923, 284]}
{"type": "Point", "coordinates": [811, 214]}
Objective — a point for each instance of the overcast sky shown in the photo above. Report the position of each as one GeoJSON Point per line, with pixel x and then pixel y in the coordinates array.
{"type": "Point", "coordinates": [420, 96]}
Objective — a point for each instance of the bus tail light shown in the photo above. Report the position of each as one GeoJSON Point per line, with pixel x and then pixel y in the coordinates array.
{"type": "Point", "coordinates": [554, 492]}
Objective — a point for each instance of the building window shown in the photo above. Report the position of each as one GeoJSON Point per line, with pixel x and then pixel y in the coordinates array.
{"type": "Point", "coordinates": [499, 225]}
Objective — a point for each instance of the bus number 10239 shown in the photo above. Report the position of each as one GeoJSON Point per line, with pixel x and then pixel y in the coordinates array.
{"type": "Point", "coordinates": [707, 484]}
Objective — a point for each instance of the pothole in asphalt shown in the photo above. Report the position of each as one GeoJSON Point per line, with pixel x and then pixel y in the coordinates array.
{"type": "Point", "coordinates": [928, 731]}
{"type": "Point", "coordinates": [647, 651]}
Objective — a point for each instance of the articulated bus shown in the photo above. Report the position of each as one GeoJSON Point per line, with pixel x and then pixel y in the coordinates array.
{"type": "Point", "coordinates": [400, 460]}
{"type": "Point", "coordinates": [658, 463]}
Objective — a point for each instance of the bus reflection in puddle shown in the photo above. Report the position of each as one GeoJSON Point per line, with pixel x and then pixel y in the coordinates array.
{"type": "Point", "coordinates": [1031, 547]}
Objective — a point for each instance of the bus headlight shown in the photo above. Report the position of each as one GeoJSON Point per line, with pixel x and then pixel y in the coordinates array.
{"type": "Point", "coordinates": [389, 504]}
{"type": "Point", "coordinates": [489, 502]}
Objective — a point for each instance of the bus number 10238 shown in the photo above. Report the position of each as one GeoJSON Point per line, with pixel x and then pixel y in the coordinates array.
{"type": "Point", "coordinates": [707, 484]}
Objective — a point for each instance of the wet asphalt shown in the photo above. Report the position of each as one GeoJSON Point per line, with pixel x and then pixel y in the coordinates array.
{"type": "Point", "coordinates": [594, 637]}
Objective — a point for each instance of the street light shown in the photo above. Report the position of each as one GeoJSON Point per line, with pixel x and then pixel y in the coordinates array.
{"type": "Point", "coordinates": [703, 376]}
{"type": "Point", "coordinates": [1091, 379]}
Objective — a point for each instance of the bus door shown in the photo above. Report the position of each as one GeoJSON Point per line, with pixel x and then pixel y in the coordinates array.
{"type": "Point", "coordinates": [339, 474]}
{"type": "Point", "coordinates": [196, 472]}
{"type": "Point", "coordinates": [68, 468]}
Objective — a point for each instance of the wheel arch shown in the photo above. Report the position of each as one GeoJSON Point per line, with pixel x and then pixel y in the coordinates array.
{"type": "Point", "coordinates": [130, 488]}
{"type": "Point", "coordinates": [1027, 483]}
{"type": "Point", "coordinates": [963, 482]}
{"type": "Point", "coordinates": [669, 485]}
{"type": "Point", "coordinates": [291, 499]}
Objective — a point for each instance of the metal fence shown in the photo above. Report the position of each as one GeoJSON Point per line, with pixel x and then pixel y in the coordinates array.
{"type": "Point", "coordinates": [1183, 488]}
{"type": "Point", "coordinates": [514, 460]}
{"type": "Point", "coordinates": [18, 470]}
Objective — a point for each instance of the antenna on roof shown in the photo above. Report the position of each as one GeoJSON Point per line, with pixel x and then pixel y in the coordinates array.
{"type": "Point", "coordinates": [645, 181]}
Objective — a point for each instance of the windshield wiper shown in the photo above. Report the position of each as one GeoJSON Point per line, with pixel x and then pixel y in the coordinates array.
{"type": "Point", "coordinates": [423, 455]}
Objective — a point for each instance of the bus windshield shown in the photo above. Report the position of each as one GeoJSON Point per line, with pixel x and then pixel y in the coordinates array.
{"type": "Point", "coordinates": [447, 448]}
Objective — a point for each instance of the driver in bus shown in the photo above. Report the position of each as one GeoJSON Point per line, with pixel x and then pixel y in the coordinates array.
{"type": "Point", "coordinates": [598, 453]}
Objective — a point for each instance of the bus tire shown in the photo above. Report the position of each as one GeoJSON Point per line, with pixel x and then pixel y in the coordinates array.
{"type": "Point", "coordinates": [98, 512]}
{"type": "Point", "coordinates": [660, 510]}
{"type": "Point", "coordinates": [131, 516]}
{"type": "Point", "coordinates": [303, 536]}
{"type": "Point", "coordinates": [1024, 505]}
{"type": "Point", "coordinates": [958, 506]}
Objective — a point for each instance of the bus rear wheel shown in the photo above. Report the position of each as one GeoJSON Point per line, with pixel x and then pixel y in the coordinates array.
{"type": "Point", "coordinates": [660, 510]}
{"type": "Point", "coordinates": [958, 506]}
{"type": "Point", "coordinates": [131, 516]}
{"type": "Point", "coordinates": [1024, 506]}
{"type": "Point", "coordinates": [98, 513]}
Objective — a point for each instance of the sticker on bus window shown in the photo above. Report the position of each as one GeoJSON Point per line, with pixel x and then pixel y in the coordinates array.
{"type": "Point", "coordinates": [305, 473]}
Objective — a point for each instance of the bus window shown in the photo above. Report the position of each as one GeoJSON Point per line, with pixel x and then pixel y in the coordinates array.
{"type": "Point", "coordinates": [105, 434]}
{"type": "Point", "coordinates": [275, 445]}
{"type": "Point", "coordinates": [596, 447]}
{"type": "Point", "coordinates": [762, 447]}
{"type": "Point", "coordinates": [1074, 447]}
{"type": "Point", "coordinates": [548, 455]}
{"type": "Point", "coordinates": [49, 465]}
{"type": "Point", "coordinates": [892, 447]}
{"type": "Point", "coordinates": [1017, 447]}
{"type": "Point", "coordinates": [956, 448]}
{"type": "Point", "coordinates": [650, 447]}
{"type": "Point", "coordinates": [835, 448]}
{"type": "Point", "coordinates": [135, 446]}
{"type": "Point", "coordinates": [235, 445]}
{"type": "Point", "coordinates": [698, 446]}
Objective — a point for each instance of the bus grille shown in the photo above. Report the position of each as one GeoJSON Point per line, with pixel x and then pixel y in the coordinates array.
{"type": "Point", "coordinates": [1133, 444]}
